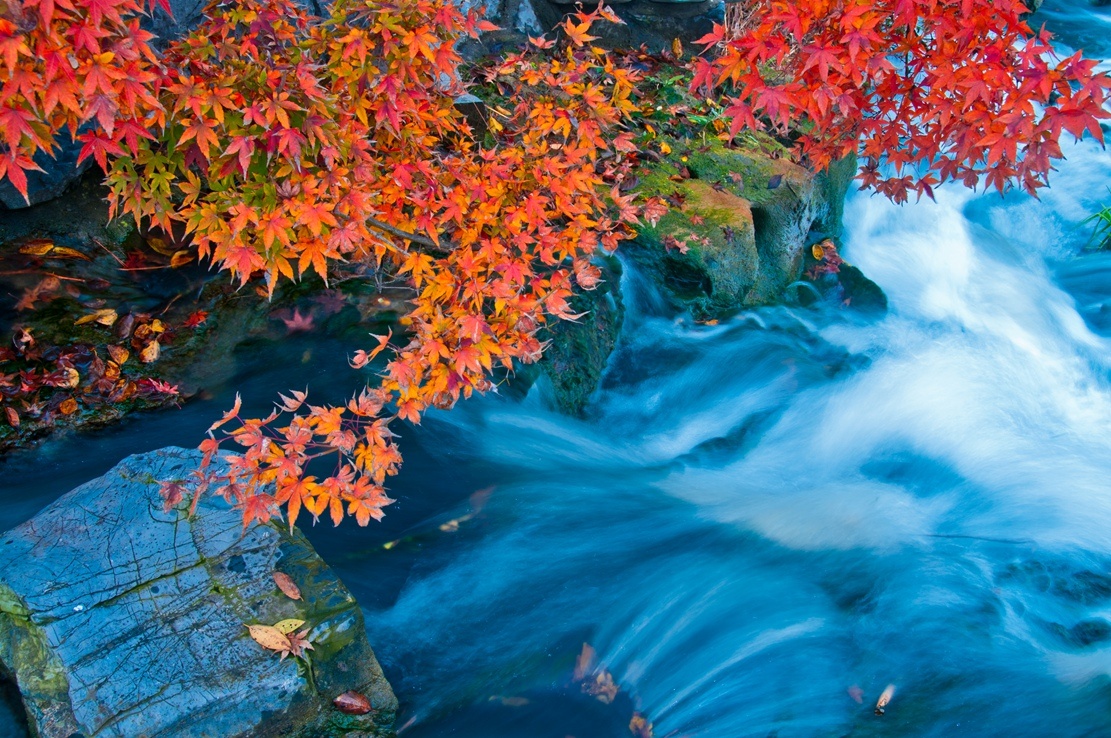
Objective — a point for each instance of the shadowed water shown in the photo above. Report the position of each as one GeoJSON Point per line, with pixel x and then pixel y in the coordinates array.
{"type": "Point", "coordinates": [763, 518]}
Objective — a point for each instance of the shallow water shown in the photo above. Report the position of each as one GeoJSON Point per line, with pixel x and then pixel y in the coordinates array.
{"type": "Point", "coordinates": [761, 517]}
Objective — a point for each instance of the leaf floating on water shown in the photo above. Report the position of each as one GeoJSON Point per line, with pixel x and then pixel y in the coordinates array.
{"type": "Point", "coordinates": [352, 703]}
{"type": "Point", "coordinates": [106, 317]}
{"type": "Point", "coordinates": [286, 585]}
{"type": "Point", "coordinates": [269, 638]}
{"type": "Point", "coordinates": [584, 664]}
{"type": "Point", "coordinates": [602, 688]}
{"type": "Point", "coordinates": [287, 626]}
{"type": "Point", "coordinates": [61, 252]}
{"type": "Point", "coordinates": [885, 698]}
{"type": "Point", "coordinates": [857, 694]}
{"type": "Point", "coordinates": [640, 727]}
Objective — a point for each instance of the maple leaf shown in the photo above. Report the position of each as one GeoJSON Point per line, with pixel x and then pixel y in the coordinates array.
{"type": "Point", "coordinates": [299, 323]}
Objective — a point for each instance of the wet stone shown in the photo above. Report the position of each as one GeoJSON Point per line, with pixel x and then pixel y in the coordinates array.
{"type": "Point", "coordinates": [120, 619]}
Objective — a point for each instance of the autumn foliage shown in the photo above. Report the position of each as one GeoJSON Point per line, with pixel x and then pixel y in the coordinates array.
{"type": "Point", "coordinates": [928, 91]}
{"type": "Point", "coordinates": [284, 145]}
{"type": "Point", "coordinates": [288, 145]}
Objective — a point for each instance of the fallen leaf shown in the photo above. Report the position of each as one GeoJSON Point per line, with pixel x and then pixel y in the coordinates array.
{"type": "Point", "coordinates": [299, 643]}
{"type": "Point", "coordinates": [269, 638]}
{"type": "Point", "coordinates": [299, 322]}
{"type": "Point", "coordinates": [857, 694]}
{"type": "Point", "coordinates": [181, 258]}
{"type": "Point", "coordinates": [119, 354]}
{"type": "Point", "coordinates": [156, 326]}
{"type": "Point", "coordinates": [68, 406]}
{"type": "Point", "coordinates": [13, 417]}
{"type": "Point", "coordinates": [885, 698]}
{"type": "Point", "coordinates": [352, 703]}
{"type": "Point", "coordinates": [160, 245]}
{"type": "Point", "coordinates": [37, 247]}
{"type": "Point", "coordinates": [106, 317]}
{"type": "Point", "coordinates": [195, 319]}
{"type": "Point", "coordinates": [150, 353]}
{"type": "Point", "coordinates": [289, 625]}
{"type": "Point", "coordinates": [584, 664]}
{"type": "Point", "coordinates": [283, 580]}
{"type": "Point", "coordinates": [602, 688]}
{"type": "Point", "coordinates": [774, 181]}
{"type": "Point", "coordinates": [640, 727]}
{"type": "Point", "coordinates": [61, 252]}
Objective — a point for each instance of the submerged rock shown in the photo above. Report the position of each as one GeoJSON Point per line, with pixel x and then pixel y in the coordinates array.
{"type": "Point", "coordinates": [120, 619]}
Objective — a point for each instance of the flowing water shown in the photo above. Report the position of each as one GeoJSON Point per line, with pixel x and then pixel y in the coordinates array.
{"type": "Point", "coordinates": [765, 520]}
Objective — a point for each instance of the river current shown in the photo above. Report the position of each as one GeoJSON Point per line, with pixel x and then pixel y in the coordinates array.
{"type": "Point", "coordinates": [763, 523]}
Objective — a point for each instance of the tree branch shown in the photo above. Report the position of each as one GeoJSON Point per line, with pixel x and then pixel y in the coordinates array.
{"type": "Point", "coordinates": [428, 243]}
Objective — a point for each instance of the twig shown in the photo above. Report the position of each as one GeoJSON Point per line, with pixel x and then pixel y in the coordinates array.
{"type": "Point", "coordinates": [144, 269]}
{"type": "Point", "coordinates": [36, 271]}
{"type": "Point", "coordinates": [108, 251]}
{"type": "Point", "coordinates": [415, 238]}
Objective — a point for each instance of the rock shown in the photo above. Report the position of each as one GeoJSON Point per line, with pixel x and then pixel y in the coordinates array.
{"type": "Point", "coordinates": [58, 173]}
{"type": "Point", "coordinates": [120, 619]}
{"type": "Point", "coordinates": [579, 351]}
{"type": "Point", "coordinates": [744, 219]}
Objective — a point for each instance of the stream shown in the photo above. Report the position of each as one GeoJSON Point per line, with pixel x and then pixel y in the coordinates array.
{"type": "Point", "coordinates": [760, 522]}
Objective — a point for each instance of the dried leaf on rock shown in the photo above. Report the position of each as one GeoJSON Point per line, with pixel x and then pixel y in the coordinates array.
{"type": "Point", "coordinates": [352, 703]}
{"type": "Point", "coordinates": [285, 627]}
{"type": "Point", "coordinates": [269, 638]}
{"type": "Point", "coordinates": [286, 585]}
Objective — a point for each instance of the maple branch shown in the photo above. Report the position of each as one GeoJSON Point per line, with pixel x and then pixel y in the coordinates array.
{"type": "Point", "coordinates": [428, 243]}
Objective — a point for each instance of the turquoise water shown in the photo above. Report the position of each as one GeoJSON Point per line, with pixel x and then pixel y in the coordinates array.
{"type": "Point", "coordinates": [761, 519]}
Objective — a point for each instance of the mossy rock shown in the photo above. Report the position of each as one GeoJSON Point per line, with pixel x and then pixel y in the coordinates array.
{"type": "Point", "coordinates": [579, 351]}
{"type": "Point", "coordinates": [118, 618]}
{"type": "Point", "coordinates": [746, 218]}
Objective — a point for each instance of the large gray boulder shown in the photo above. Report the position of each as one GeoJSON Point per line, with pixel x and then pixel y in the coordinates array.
{"type": "Point", "coordinates": [119, 619]}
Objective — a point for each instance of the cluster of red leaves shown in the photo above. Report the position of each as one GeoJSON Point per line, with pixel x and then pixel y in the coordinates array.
{"type": "Point", "coordinates": [39, 383]}
{"type": "Point", "coordinates": [930, 90]}
{"type": "Point", "coordinates": [79, 65]}
{"type": "Point", "coordinates": [363, 155]}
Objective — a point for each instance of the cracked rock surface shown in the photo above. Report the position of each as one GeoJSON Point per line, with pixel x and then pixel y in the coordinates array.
{"type": "Point", "coordinates": [120, 619]}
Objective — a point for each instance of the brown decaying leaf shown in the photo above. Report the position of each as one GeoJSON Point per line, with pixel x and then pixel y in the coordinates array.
{"type": "Point", "coordinates": [352, 703]}
{"type": "Point", "coordinates": [286, 585]}
{"type": "Point", "coordinates": [13, 417]}
{"type": "Point", "coordinates": [68, 406]}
